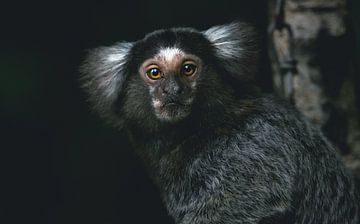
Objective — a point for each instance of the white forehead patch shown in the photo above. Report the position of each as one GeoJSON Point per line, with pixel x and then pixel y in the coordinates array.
{"type": "Point", "coordinates": [169, 53]}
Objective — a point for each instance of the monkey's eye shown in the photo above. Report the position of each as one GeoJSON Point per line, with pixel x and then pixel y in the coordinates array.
{"type": "Point", "coordinates": [153, 73]}
{"type": "Point", "coordinates": [188, 69]}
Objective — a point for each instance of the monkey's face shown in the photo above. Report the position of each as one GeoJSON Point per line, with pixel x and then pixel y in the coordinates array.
{"type": "Point", "coordinates": [171, 76]}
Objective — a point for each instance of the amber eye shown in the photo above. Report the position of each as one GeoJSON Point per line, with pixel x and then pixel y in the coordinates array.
{"type": "Point", "coordinates": [188, 69]}
{"type": "Point", "coordinates": [154, 73]}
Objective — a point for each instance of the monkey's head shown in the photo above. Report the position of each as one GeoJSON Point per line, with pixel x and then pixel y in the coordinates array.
{"type": "Point", "coordinates": [168, 74]}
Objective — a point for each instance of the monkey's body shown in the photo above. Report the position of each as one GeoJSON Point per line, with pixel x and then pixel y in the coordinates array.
{"type": "Point", "coordinates": [219, 151]}
{"type": "Point", "coordinates": [248, 170]}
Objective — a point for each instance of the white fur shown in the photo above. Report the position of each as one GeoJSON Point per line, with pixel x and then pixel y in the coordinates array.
{"type": "Point", "coordinates": [226, 40]}
{"type": "Point", "coordinates": [115, 61]}
{"type": "Point", "coordinates": [119, 54]}
{"type": "Point", "coordinates": [193, 84]}
{"type": "Point", "coordinates": [169, 53]}
{"type": "Point", "coordinates": [116, 57]}
{"type": "Point", "coordinates": [156, 103]}
{"type": "Point", "coordinates": [107, 76]}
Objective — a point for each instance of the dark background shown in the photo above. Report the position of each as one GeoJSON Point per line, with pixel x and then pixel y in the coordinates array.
{"type": "Point", "coordinates": [58, 162]}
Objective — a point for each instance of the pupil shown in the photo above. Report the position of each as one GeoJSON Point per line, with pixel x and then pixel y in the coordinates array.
{"type": "Point", "coordinates": [154, 71]}
{"type": "Point", "coordinates": [188, 68]}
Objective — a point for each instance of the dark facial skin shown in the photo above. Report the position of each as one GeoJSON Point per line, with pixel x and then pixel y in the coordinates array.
{"type": "Point", "coordinates": [171, 76]}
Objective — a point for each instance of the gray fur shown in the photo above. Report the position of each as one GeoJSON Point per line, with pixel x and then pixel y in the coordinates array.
{"type": "Point", "coordinates": [239, 156]}
{"type": "Point", "coordinates": [104, 74]}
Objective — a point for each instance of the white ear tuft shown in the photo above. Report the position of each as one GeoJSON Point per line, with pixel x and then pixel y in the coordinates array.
{"type": "Point", "coordinates": [103, 74]}
{"type": "Point", "coordinates": [235, 45]}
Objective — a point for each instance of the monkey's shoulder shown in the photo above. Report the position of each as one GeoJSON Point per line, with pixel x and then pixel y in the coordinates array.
{"type": "Point", "coordinates": [271, 124]}
{"type": "Point", "coordinates": [269, 115]}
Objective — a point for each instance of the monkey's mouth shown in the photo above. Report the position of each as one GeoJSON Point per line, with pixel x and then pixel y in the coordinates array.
{"type": "Point", "coordinates": [173, 110]}
{"type": "Point", "coordinates": [172, 104]}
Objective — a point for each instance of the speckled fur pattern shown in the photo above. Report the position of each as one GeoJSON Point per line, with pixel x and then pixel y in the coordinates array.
{"type": "Point", "coordinates": [240, 156]}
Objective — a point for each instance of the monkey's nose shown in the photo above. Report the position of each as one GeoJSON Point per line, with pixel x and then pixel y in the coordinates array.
{"type": "Point", "coordinates": [172, 87]}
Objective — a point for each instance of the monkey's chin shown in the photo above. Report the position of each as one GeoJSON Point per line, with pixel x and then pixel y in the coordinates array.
{"type": "Point", "coordinates": [173, 112]}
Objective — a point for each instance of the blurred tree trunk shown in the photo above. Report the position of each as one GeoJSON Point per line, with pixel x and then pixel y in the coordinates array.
{"type": "Point", "coordinates": [324, 86]}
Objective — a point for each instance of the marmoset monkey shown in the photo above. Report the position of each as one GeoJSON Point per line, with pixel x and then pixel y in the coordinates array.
{"type": "Point", "coordinates": [220, 151]}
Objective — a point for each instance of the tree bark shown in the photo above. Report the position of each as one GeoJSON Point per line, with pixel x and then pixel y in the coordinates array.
{"type": "Point", "coordinates": [324, 86]}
